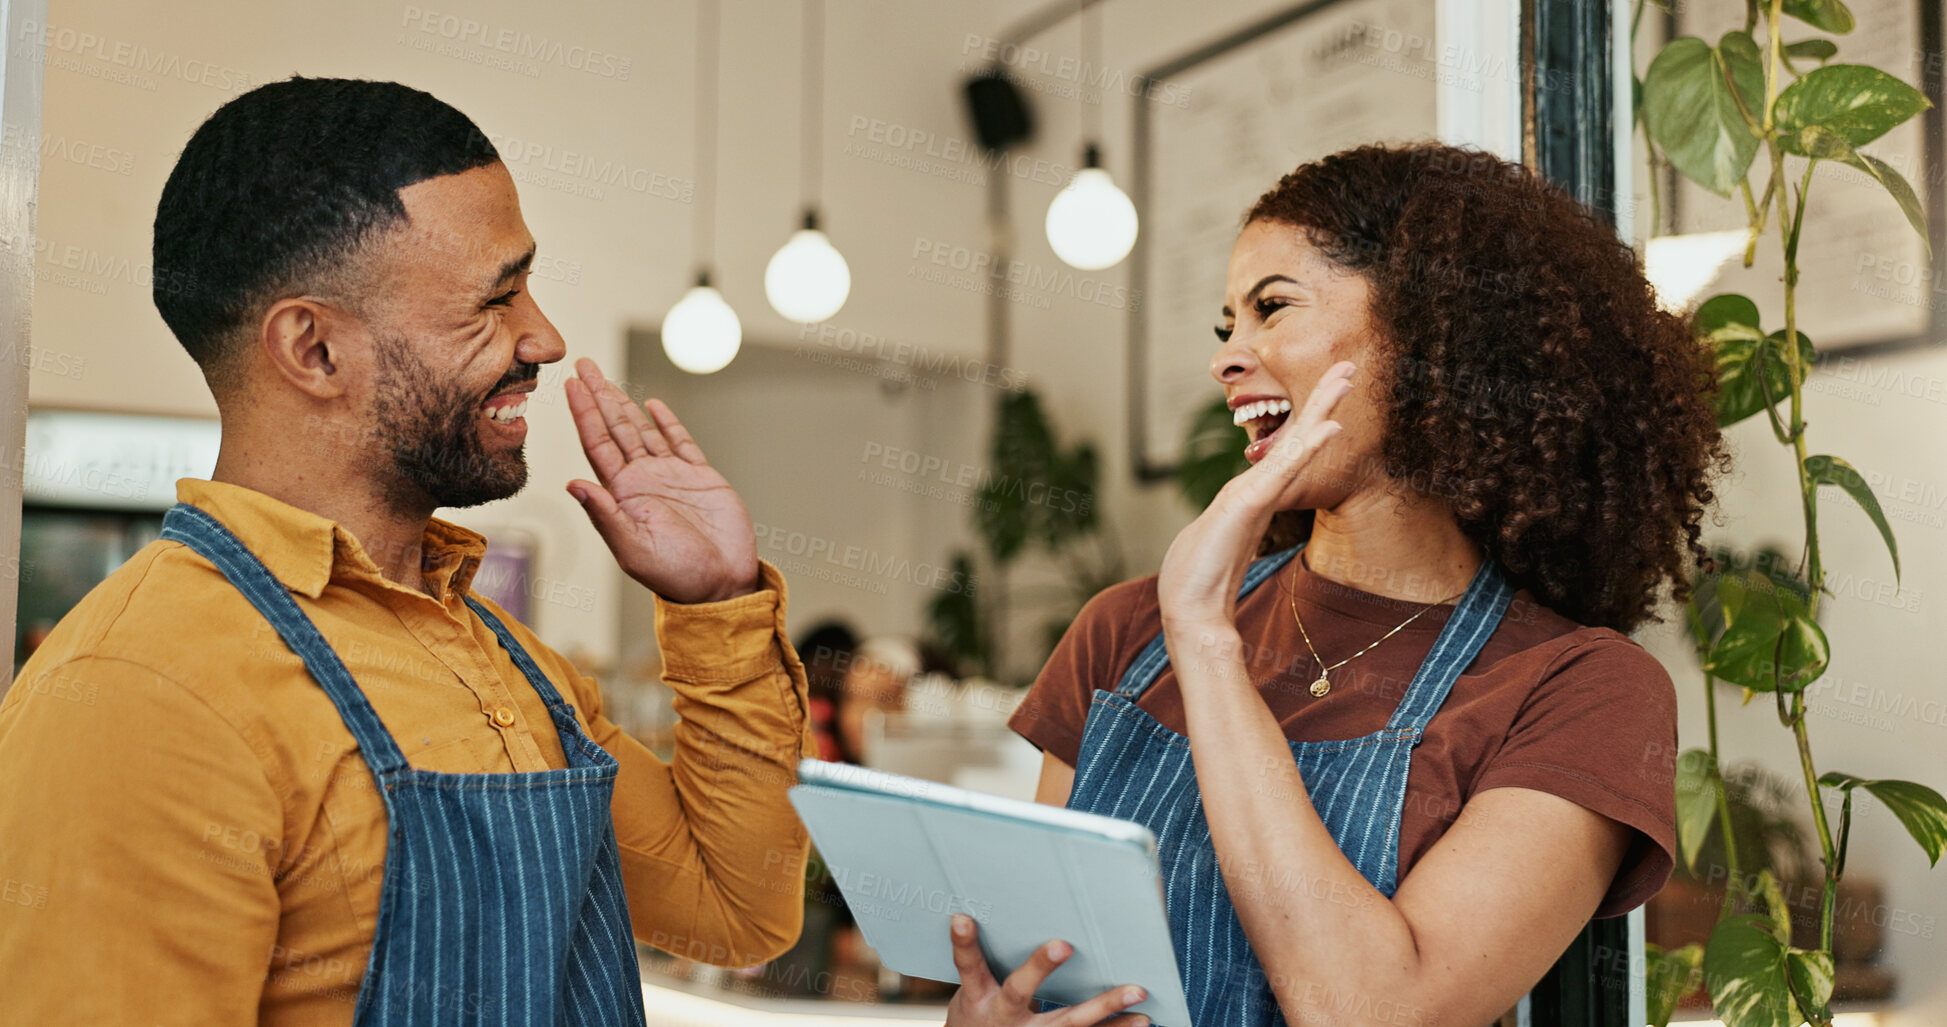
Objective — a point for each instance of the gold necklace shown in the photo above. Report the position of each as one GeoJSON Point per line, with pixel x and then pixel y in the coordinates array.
{"type": "Point", "coordinates": [1324, 682]}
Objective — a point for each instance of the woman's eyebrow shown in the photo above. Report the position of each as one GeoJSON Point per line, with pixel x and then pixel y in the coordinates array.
{"type": "Point", "coordinates": [1251, 296]}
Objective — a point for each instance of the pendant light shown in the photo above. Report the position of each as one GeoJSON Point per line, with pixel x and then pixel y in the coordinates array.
{"type": "Point", "coordinates": [701, 333]}
{"type": "Point", "coordinates": [1091, 223]}
{"type": "Point", "coordinates": [807, 280]}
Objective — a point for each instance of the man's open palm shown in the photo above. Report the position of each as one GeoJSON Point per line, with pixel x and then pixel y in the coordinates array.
{"type": "Point", "coordinates": [673, 522]}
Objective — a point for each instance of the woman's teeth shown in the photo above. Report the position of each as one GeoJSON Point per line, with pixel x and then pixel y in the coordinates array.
{"type": "Point", "coordinates": [508, 413]}
{"type": "Point", "coordinates": [1262, 417]}
{"type": "Point", "coordinates": [1261, 408]}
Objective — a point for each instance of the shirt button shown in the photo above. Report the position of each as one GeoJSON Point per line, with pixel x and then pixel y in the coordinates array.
{"type": "Point", "coordinates": [504, 717]}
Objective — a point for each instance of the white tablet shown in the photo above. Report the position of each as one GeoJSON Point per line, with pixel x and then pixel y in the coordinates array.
{"type": "Point", "coordinates": [908, 854]}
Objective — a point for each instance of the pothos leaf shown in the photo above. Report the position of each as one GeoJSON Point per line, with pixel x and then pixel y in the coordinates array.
{"type": "Point", "coordinates": [1770, 643]}
{"type": "Point", "coordinates": [1693, 115]}
{"type": "Point", "coordinates": [1810, 974]}
{"type": "Point", "coordinates": [1697, 613]}
{"type": "Point", "coordinates": [1668, 977]}
{"type": "Point", "coordinates": [1711, 608]}
{"type": "Point", "coordinates": [1830, 15]}
{"type": "Point", "coordinates": [1899, 188]}
{"type": "Point", "coordinates": [1725, 309]}
{"type": "Point", "coordinates": [1744, 353]}
{"type": "Point", "coordinates": [1856, 102]}
{"type": "Point", "coordinates": [1920, 809]}
{"type": "Point", "coordinates": [1697, 786]}
{"type": "Point", "coordinates": [1821, 143]}
{"type": "Point", "coordinates": [1744, 970]}
{"type": "Point", "coordinates": [1816, 49]}
{"type": "Point", "coordinates": [1830, 470]}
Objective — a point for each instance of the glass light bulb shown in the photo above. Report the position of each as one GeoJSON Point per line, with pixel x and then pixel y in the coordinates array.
{"type": "Point", "coordinates": [1091, 223]}
{"type": "Point", "coordinates": [807, 280]}
{"type": "Point", "coordinates": [701, 333]}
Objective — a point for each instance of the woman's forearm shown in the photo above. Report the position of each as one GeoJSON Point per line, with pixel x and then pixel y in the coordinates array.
{"type": "Point", "coordinates": [1334, 948]}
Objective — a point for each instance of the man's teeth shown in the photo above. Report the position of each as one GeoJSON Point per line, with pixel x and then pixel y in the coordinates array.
{"type": "Point", "coordinates": [509, 413]}
{"type": "Point", "coordinates": [1262, 408]}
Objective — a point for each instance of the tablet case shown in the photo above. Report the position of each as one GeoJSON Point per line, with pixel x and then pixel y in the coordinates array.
{"type": "Point", "coordinates": [907, 854]}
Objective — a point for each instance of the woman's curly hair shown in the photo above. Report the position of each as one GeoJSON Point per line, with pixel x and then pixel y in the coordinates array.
{"type": "Point", "coordinates": [1536, 387]}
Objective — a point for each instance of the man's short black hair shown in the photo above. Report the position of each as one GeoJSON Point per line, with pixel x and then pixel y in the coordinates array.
{"type": "Point", "coordinates": [280, 187]}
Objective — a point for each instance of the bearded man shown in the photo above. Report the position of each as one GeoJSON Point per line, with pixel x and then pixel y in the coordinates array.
{"type": "Point", "coordinates": [316, 778]}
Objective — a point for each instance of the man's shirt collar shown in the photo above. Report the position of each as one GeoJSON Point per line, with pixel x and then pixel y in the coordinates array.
{"type": "Point", "coordinates": [306, 551]}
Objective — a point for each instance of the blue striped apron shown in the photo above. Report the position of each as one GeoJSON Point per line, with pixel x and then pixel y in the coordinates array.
{"type": "Point", "coordinates": [1135, 768]}
{"type": "Point", "coordinates": [502, 901]}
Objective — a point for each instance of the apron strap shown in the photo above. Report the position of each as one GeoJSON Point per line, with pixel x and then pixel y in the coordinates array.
{"type": "Point", "coordinates": [208, 537]}
{"type": "Point", "coordinates": [1473, 621]}
{"type": "Point", "coordinates": [1154, 657]}
{"type": "Point", "coordinates": [535, 676]}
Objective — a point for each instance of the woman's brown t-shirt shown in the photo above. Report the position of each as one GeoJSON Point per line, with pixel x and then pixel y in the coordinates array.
{"type": "Point", "coordinates": [1583, 713]}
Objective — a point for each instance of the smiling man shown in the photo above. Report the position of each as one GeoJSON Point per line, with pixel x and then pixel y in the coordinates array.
{"type": "Point", "coordinates": [315, 778]}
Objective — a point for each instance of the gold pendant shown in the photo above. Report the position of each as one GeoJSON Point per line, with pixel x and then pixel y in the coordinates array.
{"type": "Point", "coordinates": [1321, 686]}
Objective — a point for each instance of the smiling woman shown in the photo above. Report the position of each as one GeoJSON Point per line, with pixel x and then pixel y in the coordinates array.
{"type": "Point", "coordinates": [1529, 379]}
{"type": "Point", "coordinates": [1377, 706]}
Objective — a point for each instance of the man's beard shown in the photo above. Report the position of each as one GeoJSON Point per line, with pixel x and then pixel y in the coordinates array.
{"type": "Point", "coordinates": [431, 432]}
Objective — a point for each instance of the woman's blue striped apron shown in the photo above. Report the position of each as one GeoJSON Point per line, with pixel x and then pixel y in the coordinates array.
{"type": "Point", "coordinates": [502, 898]}
{"type": "Point", "coordinates": [1135, 768]}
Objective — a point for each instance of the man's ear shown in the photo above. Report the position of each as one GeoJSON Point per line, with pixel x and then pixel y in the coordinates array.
{"type": "Point", "coordinates": [306, 341]}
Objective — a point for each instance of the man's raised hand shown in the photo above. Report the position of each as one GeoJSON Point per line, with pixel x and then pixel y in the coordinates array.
{"type": "Point", "coordinates": [673, 522]}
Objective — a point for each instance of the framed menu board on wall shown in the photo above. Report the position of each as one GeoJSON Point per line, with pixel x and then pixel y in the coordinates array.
{"type": "Point", "coordinates": [1866, 283]}
{"type": "Point", "coordinates": [1245, 111]}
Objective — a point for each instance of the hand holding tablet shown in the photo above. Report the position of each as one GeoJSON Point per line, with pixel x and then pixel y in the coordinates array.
{"type": "Point", "coordinates": [1069, 904]}
{"type": "Point", "coordinates": [981, 1002]}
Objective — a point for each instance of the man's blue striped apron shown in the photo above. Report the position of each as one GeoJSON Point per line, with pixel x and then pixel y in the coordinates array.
{"type": "Point", "coordinates": [1135, 768]}
{"type": "Point", "coordinates": [502, 899]}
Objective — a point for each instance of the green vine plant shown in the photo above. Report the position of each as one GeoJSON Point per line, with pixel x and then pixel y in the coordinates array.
{"type": "Point", "coordinates": [1710, 111]}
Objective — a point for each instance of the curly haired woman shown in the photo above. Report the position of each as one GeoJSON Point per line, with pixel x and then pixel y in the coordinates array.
{"type": "Point", "coordinates": [1378, 706]}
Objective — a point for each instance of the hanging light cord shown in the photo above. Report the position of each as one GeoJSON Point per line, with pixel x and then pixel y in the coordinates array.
{"type": "Point", "coordinates": [704, 216]}
{"type": "Point", "coordinates": [1091, 28]}
{"type": "Point", "coordinates": [812, 139]}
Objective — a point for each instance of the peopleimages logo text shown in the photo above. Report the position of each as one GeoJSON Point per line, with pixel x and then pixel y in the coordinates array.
{"type": "Point", "coordinates": [516, 43]}
{"type": "Point", "coordinates": [54, 40]}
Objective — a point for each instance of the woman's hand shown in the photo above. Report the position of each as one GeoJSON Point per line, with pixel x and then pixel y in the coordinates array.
{"type": "Point", "coordinates": [1205, 565]}
{"type": "Point", "coordinates": [981, 1002]}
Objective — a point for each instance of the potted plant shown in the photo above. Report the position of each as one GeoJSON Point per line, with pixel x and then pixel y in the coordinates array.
{"type": "Point", "coordinates": [1035, 494]}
